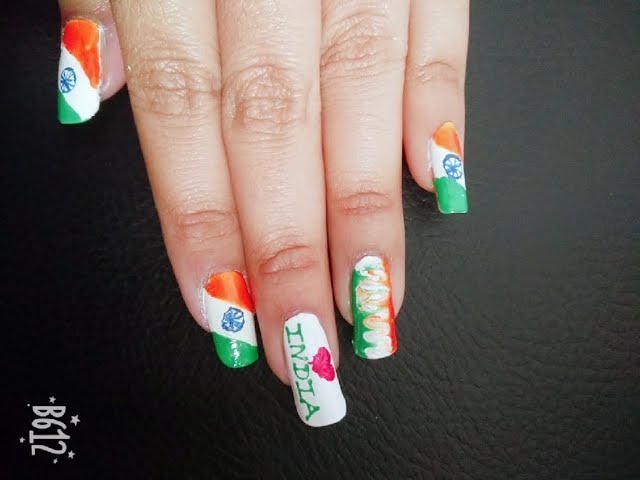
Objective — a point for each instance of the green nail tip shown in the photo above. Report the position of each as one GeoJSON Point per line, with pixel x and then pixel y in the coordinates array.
{"type": "Point", "coordinates": [66, 114]}
{"type": "Point", "coordinates": [359, 343]}
{"type": "Point", "coordinates": [452, 197]}
{"type": "Point", "coordinates": [234, 353]}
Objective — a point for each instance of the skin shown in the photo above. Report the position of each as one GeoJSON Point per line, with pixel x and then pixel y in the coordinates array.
{"type": "Point", "coordinates": [227, 97]}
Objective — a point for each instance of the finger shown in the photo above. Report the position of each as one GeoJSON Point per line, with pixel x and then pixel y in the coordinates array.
{"type": "Point", "coordinates": [434, 98]}
{"type": "Point", "coordinates": [91, 67]}
{"type": "Point", "coordinates": [362, 75]}
{"type": "Point", "coordinates": [271, 124]}
{"type": "Point", "coordinates": [174, 86]}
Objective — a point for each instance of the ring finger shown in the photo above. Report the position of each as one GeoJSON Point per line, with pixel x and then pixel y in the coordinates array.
{"type": "Point", "coordinates": [362, 72]}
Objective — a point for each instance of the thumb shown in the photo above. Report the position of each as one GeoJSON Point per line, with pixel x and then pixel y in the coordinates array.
{"type": "Point", "coordinates": [91, 67]}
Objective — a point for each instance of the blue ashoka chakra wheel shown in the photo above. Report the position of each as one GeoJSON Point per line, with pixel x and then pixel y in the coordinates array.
{"type": "Point", "coordinates": [452, 166]}
{"type": "Point", "coordinates": [233, 320]}
{"type": "Point", "coordinates": [67, 80]}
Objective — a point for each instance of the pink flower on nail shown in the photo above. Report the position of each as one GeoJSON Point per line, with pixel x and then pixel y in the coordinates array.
{"type": "Point", "coordinates": [321, 364]}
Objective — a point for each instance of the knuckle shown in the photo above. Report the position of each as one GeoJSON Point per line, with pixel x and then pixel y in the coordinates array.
{"type": "Point", "coordinates": [363, 203]}
{"type": "Point", "coordinates": [168, 85]}
{"type": "Point", "coordinates": [203, 227]}
{"type": "Point", "coordinates": [287, 259]}
{"type": "Point", "coordinates": [266, 97]}
{"type": "Point", "coordinates": [362, 45]}
{"type": "Point", "coordinates": [435, 71]}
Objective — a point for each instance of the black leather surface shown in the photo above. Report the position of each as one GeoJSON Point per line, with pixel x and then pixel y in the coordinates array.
{"type": "Point", "coordinates": [520, 334]}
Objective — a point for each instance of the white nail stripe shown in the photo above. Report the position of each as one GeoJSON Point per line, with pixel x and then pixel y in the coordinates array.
{"type": "Point", "coordinates": [83, 98]}
{"type": "Point", "coordinates": [304, 338]}
{"type": "Point", "coordinates": [437, 155]}
{"type": "Point", "coordinates": [215, 311]}
{"type": "Point", "coordinates": [368, 262]}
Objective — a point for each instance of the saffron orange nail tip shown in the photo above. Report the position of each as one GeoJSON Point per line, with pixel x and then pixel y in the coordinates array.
{"type": "Point", "coordinates": [79, 71]}
{"type": "Point", "coordinates": [374, 329]}
{"type": "Point", "coordinates": [445, 156]}
{"type": "Point", "coordinates": [230, 314]}
{"type": "Point", "coordinates": [314, 381]}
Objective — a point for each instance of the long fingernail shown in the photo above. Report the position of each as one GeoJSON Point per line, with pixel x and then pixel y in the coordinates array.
{"type": "Point", "coordinates": [374, 326]}
{"type": "Point", "coordinates": [315, 385]}
{"type": "Point", "coordinates": [229, 311]}
{"type": "Point", "coordinates": [448, 169]}
{"type": "Point", "coordinates": [79, 71]}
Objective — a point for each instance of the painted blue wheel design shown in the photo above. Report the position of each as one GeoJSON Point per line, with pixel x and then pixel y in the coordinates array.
{"type": "Point", "coordinates": [452, 166]}
{"type": "Point", "coordinates": [67, 80]}
{"type": "Point", "coordinates": [233, 320]}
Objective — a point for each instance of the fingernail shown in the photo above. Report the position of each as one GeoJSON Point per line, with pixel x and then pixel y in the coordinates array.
{"type": "Point", "coordinates": [79, 71]}
{"type": "Point", "coordinates": [374, 326]}
{"type": "Point", "coordinates": [448, 169]}
{"type": "Point", "coordinates": [315, 385]}
{"type": "Point", "coordinates": [229, 311]}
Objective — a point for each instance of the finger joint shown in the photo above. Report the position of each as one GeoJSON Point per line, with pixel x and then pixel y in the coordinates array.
{"type": "Point", "coordinates": [287, 259]}
{"type": "Point", "coordinates": [363, 45]}
{"type": "Point", "coordinates": [435, 71]}
{"type": "Point", "coordinates": [363, 203]}
{"type": "Point", "coordinates": [165, 84]}
{"type": "Point", "coordinates": [267, 98]}
{"type": "Point", "coordinates": [205, 227]}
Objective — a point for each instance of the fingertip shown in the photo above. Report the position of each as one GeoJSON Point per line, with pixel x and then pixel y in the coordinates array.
{"type": "Point", "coordinates": [221, 304]}
{"type": "Point", "coordinates": [113, 76]}
{"type": "Point", "coordinates": [274, 339]}
{"type": "Point", "coordinates": [398, 298]}
{"type": "Point", "coordinates": [194, 299]}
{"type": "Point", "coordinates": [417, 158]}
{"type": "Point", "coordinates": [426, 111]}
{"type": "Point", "coordinates": [312, 369]}
{"type": "Point", "coordinates": [344, 309]}
{"type": "Point", "coordinates": [91, 67]}
{"type": "Point", "coordinates": [277, 364]}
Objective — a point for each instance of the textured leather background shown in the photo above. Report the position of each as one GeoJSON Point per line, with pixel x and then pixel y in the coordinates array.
{"type": "Point", "coordinates": [520, 334]}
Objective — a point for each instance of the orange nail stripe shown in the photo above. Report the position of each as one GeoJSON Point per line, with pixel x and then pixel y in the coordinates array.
{"type": "Point", "coordinates": [447, 137]}
{"type": "Point", "coordinates": [230, 287]}
{"type": "Point", "coordinates": [82, 39]}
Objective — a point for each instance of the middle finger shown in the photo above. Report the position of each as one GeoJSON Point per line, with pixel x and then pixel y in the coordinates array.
{"type": "Point", "coordinates": [271, 128]}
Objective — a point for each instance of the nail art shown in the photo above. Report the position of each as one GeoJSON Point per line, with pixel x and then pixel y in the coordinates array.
{"type": "Point", "coordinates": [374, 328]}
{"type": "Point", "coordinates": [445, 156]}
{"type": "Point", "coordinates": [79, 71]}
{"type": "Point", "coordinates": [316, 389]}
{"type": "Point", "coordinates": [229, 311]}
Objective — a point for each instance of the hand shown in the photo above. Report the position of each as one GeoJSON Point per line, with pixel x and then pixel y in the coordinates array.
{"type": "Point", "coordinates": [253, 115]}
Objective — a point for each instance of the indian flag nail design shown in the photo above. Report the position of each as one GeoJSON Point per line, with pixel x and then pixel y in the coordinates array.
{"type": "Point", "coordinates": [374, 328]}
{"type": "Point", "coordinates": [445, 156]}
{"type": "Point", "coordinates": [312, 373]}
{"type": "Point", "coordinates": [79, 71]}
{"type": "Point", "coordinates": [229, 311]}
